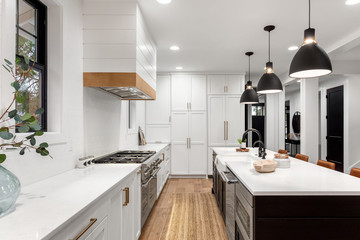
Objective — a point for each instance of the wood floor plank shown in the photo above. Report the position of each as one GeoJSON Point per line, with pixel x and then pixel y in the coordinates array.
{"type": "Point", "coordinates": [156, 227]}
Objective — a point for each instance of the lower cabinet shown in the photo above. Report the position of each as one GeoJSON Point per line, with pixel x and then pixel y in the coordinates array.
{"type": "Point", "coordinates": [164, 171]}
{"type": "Point", "coordinates": [115, 216]}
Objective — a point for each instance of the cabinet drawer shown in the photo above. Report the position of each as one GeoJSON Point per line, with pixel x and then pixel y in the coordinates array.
{"type": "Point", "coordinates": [241, 189]}
{"type": "Point", "coordinates": [85, 220]}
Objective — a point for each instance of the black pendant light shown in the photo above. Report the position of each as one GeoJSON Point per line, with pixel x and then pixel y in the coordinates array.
{"type": "Point", "coordinates": [311, 60]}
{"type": "Point", "coordinates": [269, 82]}
{"type": "Point", "coordinates": [249, 96]}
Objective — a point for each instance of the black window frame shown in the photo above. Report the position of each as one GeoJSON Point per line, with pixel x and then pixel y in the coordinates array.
{"type": "Point", "coordinates": [41, 50]}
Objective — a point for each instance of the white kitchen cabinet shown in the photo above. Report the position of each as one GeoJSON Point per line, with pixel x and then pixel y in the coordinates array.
{"type": "Point", "coordinates": [226, 120]}
{"type": "Point", "coordinates": [114, 216]}
{"type": "Point", "coordinates": [100, 232]}
{"type": "Point", "coordinates": [180, 93]}
{"type": "Point", "coordinates": [188, 93]}
{"type": "Point", "coordinates": [89, 220]}
{"type": "Point", "coordinates": [164, 171]}
{"type": "Point", "coordinates": [225, 84]}
{"type": "Point", "coordinates": [198, 93]}
{"type": "Point", "coordinates": [235, 117]}
{"type": "Point", "coordinates": [128, 209]}
{"type": "Point", "coordinates": [158, 111]}
{"type": "Point", "coordinates": [188, 147]}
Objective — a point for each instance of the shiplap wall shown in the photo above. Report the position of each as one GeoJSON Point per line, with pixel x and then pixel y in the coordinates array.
{"type": "Point", "coordinates": [116, 39]}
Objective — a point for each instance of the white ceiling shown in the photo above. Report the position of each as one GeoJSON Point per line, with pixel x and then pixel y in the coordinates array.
{"type": "Point", "coordinates": [214, 34]}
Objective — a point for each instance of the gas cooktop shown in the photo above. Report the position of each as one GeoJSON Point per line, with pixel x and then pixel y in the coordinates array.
{"type": "Point", "coordinates": [126, 157]}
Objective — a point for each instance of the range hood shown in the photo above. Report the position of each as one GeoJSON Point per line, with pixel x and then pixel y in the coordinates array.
{"type": "Point", "coordinates": [119, 54]}
{"type": "Point", "coordinates": [127, 86]}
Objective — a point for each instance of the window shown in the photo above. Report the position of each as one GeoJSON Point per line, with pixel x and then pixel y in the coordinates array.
{"type": "Point", "coordinates": [258, 110]}
{"type": "Point", "coordinates": [31, 42]}
{"type": "Point", "coordinates": [132, 117]}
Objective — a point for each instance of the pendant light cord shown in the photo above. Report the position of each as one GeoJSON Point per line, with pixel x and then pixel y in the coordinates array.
{"type": "Point", "coordinates": [309, 12]}
{"type": "Point", "coordinates": [249, 69]}
{"type": "Point", "coordinates": [269, 46]}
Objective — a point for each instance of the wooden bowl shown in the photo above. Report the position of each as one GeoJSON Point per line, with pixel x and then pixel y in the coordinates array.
{"type": "Point", "coordinates": [265, 166]}
{"type": "Point", "coordinates": [242, 150]}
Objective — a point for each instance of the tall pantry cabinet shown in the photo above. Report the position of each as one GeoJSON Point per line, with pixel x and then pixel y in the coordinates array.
{"type": "Point", "coordinates": [188, 125]}
{"type": "Point", "coordinates": [226, 116]}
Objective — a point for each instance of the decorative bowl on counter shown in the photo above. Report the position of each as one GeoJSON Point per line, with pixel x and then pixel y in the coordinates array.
{"type": "Point", "coordinates": [265, 166]}
{"type": "Point", "coordinates": [282, 160]}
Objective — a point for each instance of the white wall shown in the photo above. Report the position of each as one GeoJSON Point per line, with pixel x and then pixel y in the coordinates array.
{"type": "Point", "coordinates": [84, 121]}
{"type": "Point", "coordinates": [275, 121]}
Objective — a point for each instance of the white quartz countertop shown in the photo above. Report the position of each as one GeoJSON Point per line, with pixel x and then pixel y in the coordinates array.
{"type": "Point", "coordinates": [49, 204]}
{"type": "Point", "coordinates": [302, 178]}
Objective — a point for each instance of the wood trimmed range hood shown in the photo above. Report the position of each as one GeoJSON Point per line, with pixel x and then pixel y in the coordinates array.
{"type": "Point", "coordinates": [118, 50]}
{"type": "Point", "coordinates": [128, 86]}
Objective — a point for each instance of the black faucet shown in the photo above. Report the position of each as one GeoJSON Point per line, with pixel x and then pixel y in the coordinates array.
{"type": "Point", "coordinates": [261, 153]}
{"type": "Point", "coordinates": [261, 149]}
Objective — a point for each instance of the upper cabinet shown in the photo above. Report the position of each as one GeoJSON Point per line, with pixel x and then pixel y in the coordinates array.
{"type": "Point", "coordinates": [188, 93]}
{"type": "Point", "coordinates": [225, 84]}
{"type": "Point", "coordinates": [119, 53]}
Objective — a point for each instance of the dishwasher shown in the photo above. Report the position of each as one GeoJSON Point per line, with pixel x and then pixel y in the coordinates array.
{"type": "Point", "coordinates": [229, 200]}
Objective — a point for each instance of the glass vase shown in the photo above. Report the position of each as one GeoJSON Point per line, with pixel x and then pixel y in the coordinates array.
{"type": "Point", "coordinates": [9, 190]}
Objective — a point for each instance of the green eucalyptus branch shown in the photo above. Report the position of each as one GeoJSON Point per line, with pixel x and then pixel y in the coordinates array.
{"type": "Point", "coordinates": [25, 122]}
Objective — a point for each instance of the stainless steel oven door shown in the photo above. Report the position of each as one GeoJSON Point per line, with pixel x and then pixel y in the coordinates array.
{"type": "Point", "coordinates": [148, 197]}
{"type": "Point", "coordinates": [244, 215]}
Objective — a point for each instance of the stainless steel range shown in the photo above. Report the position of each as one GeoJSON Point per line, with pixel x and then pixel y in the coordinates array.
{"type": "Point", "coordinates": [150, 166]}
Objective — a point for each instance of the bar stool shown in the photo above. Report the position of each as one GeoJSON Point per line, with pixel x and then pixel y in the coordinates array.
{"type": "Point", "coordinates": [302, 157]}
{"type": "Point", "coordinates": [326, 164]}
{"type": "Point", "coordinates": [282, 151]}
{"type": "Point", "coordinates": [355, 172]}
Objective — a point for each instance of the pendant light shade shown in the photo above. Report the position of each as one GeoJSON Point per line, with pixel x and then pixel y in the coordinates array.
{"type": "Point", "coordinates": [311, 60]}
{"type": "Point", "coordinates": [269, 82]}
{"type": "Point", "coordinates": [249, 96]}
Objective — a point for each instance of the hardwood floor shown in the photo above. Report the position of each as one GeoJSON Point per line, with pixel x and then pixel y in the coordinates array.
{"type": "Point", "coordinates": [157, 224]}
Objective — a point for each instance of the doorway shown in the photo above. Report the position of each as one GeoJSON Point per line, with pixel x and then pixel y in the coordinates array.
{"type": "Point", "coordinates": [335, 126]}
{"type": "Point", "coordinates": [255, 118]}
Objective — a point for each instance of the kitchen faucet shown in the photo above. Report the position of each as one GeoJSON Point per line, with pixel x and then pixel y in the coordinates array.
{"type": "Point", "coordinates": [261, 152]}
{"type": "Point", "coordinates": [261, 149]}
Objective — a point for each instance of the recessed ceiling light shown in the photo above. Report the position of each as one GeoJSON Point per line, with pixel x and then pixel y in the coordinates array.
{"type": "Point", "coordinates": [352, 2]}
{"type": "Point", "coordinates": [293, 48]}
{"type": "Point", "coordinates": [164, 1]}
{"type": "Point", "coordinates": [175, 48]}
{"type": "Point", "coordinates": [179, 68]}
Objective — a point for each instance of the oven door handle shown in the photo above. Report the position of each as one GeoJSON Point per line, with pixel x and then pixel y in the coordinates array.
{"type": "Point", "coordinates": [147, 183]}
{"type": "Point", "coordinates": [226, 179]}
{"type": "Point", "coordinates": [154, 174]}
{"type": "Point", "coordinates": [151, 178]}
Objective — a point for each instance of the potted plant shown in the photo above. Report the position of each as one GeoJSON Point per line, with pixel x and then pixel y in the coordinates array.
{"type": "Point", "coordinates": [242, 143]}
{"type": "Point", "coordinates": [18, 130]}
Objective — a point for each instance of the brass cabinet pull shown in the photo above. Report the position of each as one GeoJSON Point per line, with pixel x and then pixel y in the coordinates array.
{"type": "Point", "coordinates": [163, 156]}
{"type": "Point", "coordinates": [224, 130]}
{"type": "Point", "coordinates": [127, 196]}
{"type": "Point", "coordinates": [227, 130]}
{"type": "Point", "coordinates": [189, 142]}
{"type": "Point", "coordinates": [92, 221]}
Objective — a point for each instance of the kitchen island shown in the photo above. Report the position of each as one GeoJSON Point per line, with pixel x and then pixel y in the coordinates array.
{"type": "Point", "coordinates": [304, 201]}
